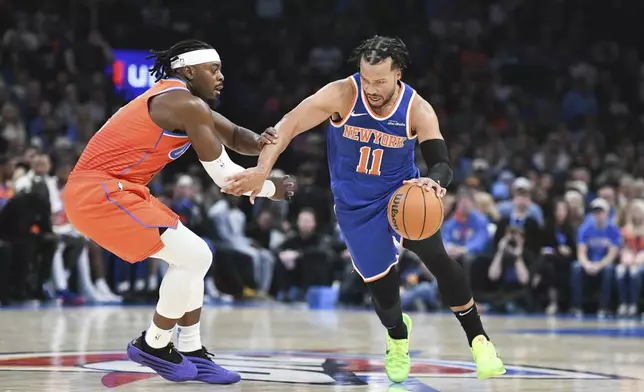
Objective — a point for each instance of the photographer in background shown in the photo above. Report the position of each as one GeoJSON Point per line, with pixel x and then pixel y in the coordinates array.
{"type": "Point", "coordinates": [25, 225]}
{"type": "Point", "coordinates": [504, 284]}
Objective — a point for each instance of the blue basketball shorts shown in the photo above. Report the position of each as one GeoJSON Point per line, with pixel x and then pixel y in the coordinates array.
{"type": "Point", "coordinates": [371, 240]}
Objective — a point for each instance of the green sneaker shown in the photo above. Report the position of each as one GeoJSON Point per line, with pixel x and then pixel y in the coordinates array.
{"type": "Point", "coordinates": [488, 364]}
{"type": "Point", "coordinates": [397, 361]}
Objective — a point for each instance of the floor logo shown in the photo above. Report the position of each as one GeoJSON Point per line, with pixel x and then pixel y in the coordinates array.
{"type": "Point", "coordinates": [297, 367]}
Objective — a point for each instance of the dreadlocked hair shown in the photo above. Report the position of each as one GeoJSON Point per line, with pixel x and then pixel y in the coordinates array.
{"type": "Point", "coordinates": [163, 58]}
{"type": "Point", "coordinates": [378, 48]}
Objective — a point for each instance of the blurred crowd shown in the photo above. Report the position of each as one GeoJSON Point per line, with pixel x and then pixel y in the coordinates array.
{"type": "Point", "coordinates": [540, 104]}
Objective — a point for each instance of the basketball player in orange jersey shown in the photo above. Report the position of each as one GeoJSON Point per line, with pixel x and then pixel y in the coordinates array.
{"type": "Point", "coordinates": [375, 119]}
{"type": "Point", "coordinates": [106, 198]}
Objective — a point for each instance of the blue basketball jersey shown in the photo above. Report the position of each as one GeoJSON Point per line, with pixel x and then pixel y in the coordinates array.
{"type": "Point", "coordinates": [370, 155]}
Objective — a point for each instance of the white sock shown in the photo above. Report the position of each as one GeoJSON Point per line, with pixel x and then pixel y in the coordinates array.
{"type": "Point", "coordinates": [156, 337]}
{"type": "Point", "coordinates": [189, 338]}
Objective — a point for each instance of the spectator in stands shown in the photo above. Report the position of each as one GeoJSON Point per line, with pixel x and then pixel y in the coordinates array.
{"type": "Point", "coordinates": [552, 274]}
{"type": "Point", "coordinates": [504, 284]}
{"type": "Point", "coordinates": [13, 132]}
{"type": "Point", "coordinates": [310, 195]}
{"type": "Point", "coordinates": [304, 260]}
{"type": "Point", "coordinates": [6, 175]}
{"type": "Point", "coordinates": [578, 102]}
{"type": "Point", "coordinates": [230, 223]}
{"type": "Point", "coordinates": [598, 243]}
{"type": "Point", "coordinates": [523, 213]}
{"type": "Point", "coordinates": [25, 225]}
{"type": "Point", "coordinates": [576, 208]}
{"type": "Point", "coordinates": [263, 232]}
{"type": "Point", "coordinates": [466, 234]}
{"type": "Point", "coordinates": [419, 289]}
{"type": "Point", "coordinates": [607, 193]}
{"type": "Point", "coordinates": [629, 270]}
{"type": "Point", "coordinates": [625, 195]}
{"type": "Point", "coordinates": [521, 200]}
{"type": "Point", "coordinates": [265, 239]}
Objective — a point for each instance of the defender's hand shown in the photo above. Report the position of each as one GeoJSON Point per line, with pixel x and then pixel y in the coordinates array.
{"type": "Point", "coordinates": [428, 184]}
{"type": "Point", "coordinates": [283, 188]}
{"type": "Point", "coordinates": [269, 136]}
{"type": "Point", "coordinates": [250, 180]}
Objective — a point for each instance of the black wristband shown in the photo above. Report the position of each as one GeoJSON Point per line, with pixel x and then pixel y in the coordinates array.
{"type": "Point", "coordinates": [435, 155]}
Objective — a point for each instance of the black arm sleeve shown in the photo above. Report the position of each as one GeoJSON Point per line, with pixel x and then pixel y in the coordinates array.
{"type": "Point", "coordinates": [437, 158]}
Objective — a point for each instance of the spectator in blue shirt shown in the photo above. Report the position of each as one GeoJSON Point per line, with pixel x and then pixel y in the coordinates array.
{"type": "Point", "coordinates": [466, 234]}
{"type": "Point", "coordinates": [607, 193]}
{"type": "Point", "coordinates": [521, 198]}
{"type": "Point", "coordinates": [598, 243]}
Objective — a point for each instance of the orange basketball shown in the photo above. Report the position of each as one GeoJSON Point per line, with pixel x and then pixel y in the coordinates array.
{"type": "Point", "coordinates": [414, 212]}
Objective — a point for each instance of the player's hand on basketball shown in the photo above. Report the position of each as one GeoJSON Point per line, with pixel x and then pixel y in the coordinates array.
{"type": "Point", "coordinates": [250, 180]}
{"type": "Point", "coordinates": [284, 187]}
{"type": "Point", "coordinates": [269, 136]}
{"type": "Point", "coordinates": [428, 184]}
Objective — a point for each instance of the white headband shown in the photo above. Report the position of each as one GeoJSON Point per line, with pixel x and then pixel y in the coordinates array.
{"type": "Point", "coordinates": [195, 57]}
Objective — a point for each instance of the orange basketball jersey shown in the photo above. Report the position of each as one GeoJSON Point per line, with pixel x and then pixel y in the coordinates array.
{"type": "Point", "coordinates": [130, 146]}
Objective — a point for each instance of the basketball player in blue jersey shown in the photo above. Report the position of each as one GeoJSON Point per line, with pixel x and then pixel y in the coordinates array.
{"type": "Point", "coordinates": [375, 120]}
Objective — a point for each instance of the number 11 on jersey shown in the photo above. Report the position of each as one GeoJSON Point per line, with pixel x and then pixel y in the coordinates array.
{"type": "Point", "coordinates": [376, 161]}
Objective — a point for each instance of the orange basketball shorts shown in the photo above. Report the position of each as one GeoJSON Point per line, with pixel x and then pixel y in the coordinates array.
{"type": "Point", "coordinates": [120, 216]}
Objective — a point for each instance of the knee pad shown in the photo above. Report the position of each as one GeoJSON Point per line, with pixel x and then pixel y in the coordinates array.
{"type": "Point", "coordinates": [185, 250]}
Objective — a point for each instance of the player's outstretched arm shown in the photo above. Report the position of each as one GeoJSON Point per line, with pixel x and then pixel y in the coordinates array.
{"type": "Point", "coordinates": [333, 98]}
{"type": "Point", "coordinates": [193, 116]}
{"type": "Point", "coordinates": [425, 125]}
{"type": "Point", "coordinates": [240, 139]}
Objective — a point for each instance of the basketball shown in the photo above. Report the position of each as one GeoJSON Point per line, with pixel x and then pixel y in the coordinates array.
{"type": "Point", "coordinates": [414, 212]}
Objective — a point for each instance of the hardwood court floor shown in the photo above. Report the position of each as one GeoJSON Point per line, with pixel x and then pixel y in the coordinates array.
{"type": "Point", "coordinates": [289, 349]}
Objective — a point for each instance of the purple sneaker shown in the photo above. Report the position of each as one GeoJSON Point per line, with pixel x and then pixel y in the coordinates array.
{"type": "Point", "coordinates": [209, 371]}
{"type": "Point", "coordinates": [166, 361]}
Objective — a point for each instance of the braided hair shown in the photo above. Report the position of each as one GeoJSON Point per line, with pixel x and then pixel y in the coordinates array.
{"type": "Point", "coordinates": [163, 58]}
{"type": "Point", "coordinates": [378, 48]}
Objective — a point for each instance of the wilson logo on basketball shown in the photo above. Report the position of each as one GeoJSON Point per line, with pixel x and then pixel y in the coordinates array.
{"type": "Point", "coordinates": [394, 210]}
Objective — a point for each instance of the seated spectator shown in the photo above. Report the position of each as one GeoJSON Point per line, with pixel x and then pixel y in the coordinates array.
{"type": "Point", "coordinates": [598, 243]}
{"type": "Point", "coordinates": [304, 259]}
{"type": "Point", "coordinates": [419, 289]}
{"type": "Point", "coordinates": [576, 208]}
{"type": "Point", "coordinates": [312, 196]}
{"type": "Point", "coordinates": [607, 193]}
{"type": "Point", "coordinates": [466, 234]}
{"type": "Point", "coordinates": [264, 238]}
{"type": "Point", "coordinates": [230, 223]}
{"type": "Point", "coordinates": [504, 284]}
{"type": "Point", "coordinates": [552, 273]}
{"type": "Point", "coordinates": [73, 252]}
{"type": "Point", "coordinates": [629, 270]}
{"type": "Point", "coordinates": [521, 194]}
